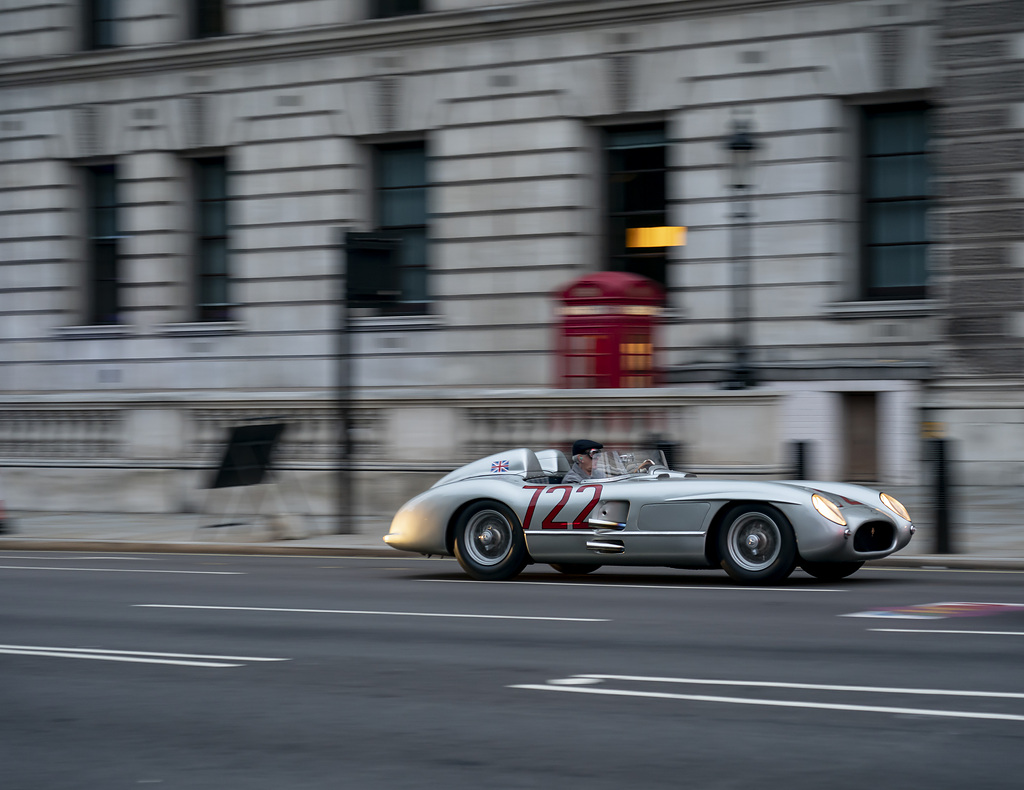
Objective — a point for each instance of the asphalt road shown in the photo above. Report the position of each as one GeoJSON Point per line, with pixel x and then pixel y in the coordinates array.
{"type": "Point", "coordinates": [187, 671]}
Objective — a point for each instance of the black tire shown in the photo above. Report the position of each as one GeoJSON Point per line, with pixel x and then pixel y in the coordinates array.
{"type": "Point", "coordinates": [574, 568]}
{"type": "Point", "coordinates": [489, 542]}
{"type": "Point", "coordinates": [756, 545]}
{"type": "Point", "coordinates": [830, 571]}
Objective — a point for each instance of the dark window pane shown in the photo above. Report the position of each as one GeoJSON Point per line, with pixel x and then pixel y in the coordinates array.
{"type": "Point", "coordinates": [897, 132]}
{"type": "Point", "coordinates": [896, 195]}
{"type": "Point", "coordinates": [636, 193]}
{"type": "Point", "coordinates": [636, 136]}
{"type": "Point", "coordinates": [897, 222]}
{"type": "Point", "coordinates": [102, 250]}
{"type": "Point", "coordinates": [211, 206]}
{"type": "Point", "coordinates": [214, 256]}
{"type": "Point", "coordinates": [637, 159]}
{"type": "Point", "coordinates": [899, 267]}
{"type": "Point", "coordinates": [213, 178]}
{"type": "Point", "coordinates": [645, 192]}
{"type": "Point", "coordinates": [403, 167]}
{"type": "Point", "coordinates": [209, 18]}
{"type": "Point", "coordinates": [99, 21]}
{"type": "Point", "coordinates": [898, 176]}
{"type": "Point", "coordinates": [213, 220]}
{"type": "Point", "coordinates": [402, 209]}
{"type": "Point", "coordinates": [386, 8]}
{"type": "Point", "coordinates": [414, 265]}
{"type": "Point", "coordinates": [215, 291]}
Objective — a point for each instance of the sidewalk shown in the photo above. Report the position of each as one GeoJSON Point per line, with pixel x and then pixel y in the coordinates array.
{"type": "Point", "coordinates": [999, 547]}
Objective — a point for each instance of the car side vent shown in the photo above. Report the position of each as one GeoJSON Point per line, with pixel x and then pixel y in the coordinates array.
{"type": "Point", "coordinates": [874, 536]}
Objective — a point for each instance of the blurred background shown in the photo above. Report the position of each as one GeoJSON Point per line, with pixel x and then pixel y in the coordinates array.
{"type": "Point", "coordinates": [784, 242]}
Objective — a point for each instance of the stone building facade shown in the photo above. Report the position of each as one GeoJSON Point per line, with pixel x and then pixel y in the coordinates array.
{"type": "Point", "coordinates": [175, 178]}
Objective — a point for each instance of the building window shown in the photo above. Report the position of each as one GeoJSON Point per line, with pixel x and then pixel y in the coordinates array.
{"type": "Point", "coordinates": [211, 252]}
{"type": "Point", "coordinates": [896, 199]}
{"type": "Point", "coordinates": [635, 157]}
{"type": "Point", "coordinates": [401, 178]}
{"type": "Point", "coordinates": [101, 254]}
{"type": "Point", "coordinates": [384, 8]}
{"type": "Point", "coordinates": [208, 18]}
{"type": "Point", "coordinates": [99, 23]}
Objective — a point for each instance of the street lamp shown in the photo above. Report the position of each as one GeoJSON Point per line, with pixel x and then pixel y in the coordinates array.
{"type": "Point", "coordinates": [741, 146]}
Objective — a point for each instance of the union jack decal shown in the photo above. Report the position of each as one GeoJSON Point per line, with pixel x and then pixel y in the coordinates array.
{"type": "Point", "coordinates": [499, 466]}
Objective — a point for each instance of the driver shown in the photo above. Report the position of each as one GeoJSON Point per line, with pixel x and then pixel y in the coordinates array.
{"type": "Point", "coordinates": [583, 452]}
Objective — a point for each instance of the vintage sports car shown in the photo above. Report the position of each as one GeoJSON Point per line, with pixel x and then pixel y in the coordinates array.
{"type": "Point", "coordinates": [502, 512]}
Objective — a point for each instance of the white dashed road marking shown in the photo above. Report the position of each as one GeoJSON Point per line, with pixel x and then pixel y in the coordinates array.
{"type": "Point", "coordinates": [117, 570]}
{"type": "Point", "coordinates": [946, 631]}
{"type": "Point", "coordinates": [365, 612]}
{"type": "Point", "coordinates": [132, 656]}
{"type": "Point", "coordinates": [584, 684]}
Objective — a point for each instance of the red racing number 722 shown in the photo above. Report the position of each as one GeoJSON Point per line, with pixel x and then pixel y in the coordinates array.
{"type": "Point", "coordinates": [549, 522]}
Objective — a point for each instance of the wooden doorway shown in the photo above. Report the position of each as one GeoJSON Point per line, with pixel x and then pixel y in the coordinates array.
{"type": "Point", "coordinates": [860, 429]}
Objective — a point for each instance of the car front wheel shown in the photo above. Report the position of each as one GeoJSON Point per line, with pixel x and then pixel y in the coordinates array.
{"type": "Point", "coordinates": [489, 544]}
{"type": "Point", "coordinates": [830, 571]}
{"type": "Point", "coordinates": [756, 545]}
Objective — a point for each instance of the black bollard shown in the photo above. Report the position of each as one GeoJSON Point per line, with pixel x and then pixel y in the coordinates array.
{"type": "Point", "coordinates": [801, 455]}
{"type": "Point", "coordinates": [941, 495]}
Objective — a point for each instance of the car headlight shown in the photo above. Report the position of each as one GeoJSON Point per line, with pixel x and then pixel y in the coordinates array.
{"type": "Point", "coordinates": [828, 509]}
{"type": "Point", "coordinates": [895, 506]}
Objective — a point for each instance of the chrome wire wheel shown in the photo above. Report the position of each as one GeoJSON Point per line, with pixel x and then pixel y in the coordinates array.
{"type": "Point", "coordinates": [488, 537]}
{"type": "Point", "coordinates": [756, 544]}
{"type": "Point", "coordinates": [754, 541]}
{"type": "Point", "coordinates": [489, 543]}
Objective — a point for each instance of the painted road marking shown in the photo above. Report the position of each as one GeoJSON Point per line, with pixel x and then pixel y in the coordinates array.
{"type": "Point", "coordinates": [56, 556]}
{"type": "Point", "coordinates": [367, 612]}
{"type": "Point", "coordinates": [601, 584]}
{"type": "Point", "coordinates": [810, 686]}
{"type": "Point", "coordinates": [132, 656]}
{"type": "Point", "coordinates": [572, 685]}
{"type": "Point", "coordinates": [947, 631]}
{"type": "Point", "coordinates": [117, 570]}
{"type": "Point", "coordinates": [939, 611]}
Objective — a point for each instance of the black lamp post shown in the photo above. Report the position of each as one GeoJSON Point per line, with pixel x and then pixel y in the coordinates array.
{"type": "Point", "coordinates": [741, 146]}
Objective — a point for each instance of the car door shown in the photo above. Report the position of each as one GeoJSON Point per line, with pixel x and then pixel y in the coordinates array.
{"type": "Point", "coordinates": [556, 522]}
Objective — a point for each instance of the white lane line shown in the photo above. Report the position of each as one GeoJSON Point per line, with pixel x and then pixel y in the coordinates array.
{"type": "Point", "coordinates": [812, 686]}
{"type": "Point", "coordinates": [367, 612]}
{"type": "Point", "coordinates": [946, 631]}
{"type": "Point", "coordinates": [117, 570]}
{"type": "Point", "coordinates": [124, 659]}
{"type": "Point", "coordinates": [13, 555]}
{"type": "Point", "coordinates": [139, 653]}
{"type": "Point", "coordinates": [736, 588]}
{"type": "Point", "coordinates": [956, 714]}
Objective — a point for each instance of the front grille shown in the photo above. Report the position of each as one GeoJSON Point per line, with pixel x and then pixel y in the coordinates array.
{"type": "Point", "coordinates": [874, 536]}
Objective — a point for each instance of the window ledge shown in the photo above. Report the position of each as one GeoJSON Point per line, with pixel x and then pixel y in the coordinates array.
{"type": "Point", "coordinates": [200, 328]}
{"type": "Point", "coordinates": [897, 308]}
{"type": "Point", "coordinates": [91, 332]}
{"type": "Point", "coordinates": [373, 323]}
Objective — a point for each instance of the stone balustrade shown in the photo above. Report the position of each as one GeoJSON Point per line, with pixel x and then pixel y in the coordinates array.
{"type": "Point", "coordinates": [155, 455]}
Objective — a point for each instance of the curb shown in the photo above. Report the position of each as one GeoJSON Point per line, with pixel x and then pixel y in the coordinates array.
{"type": "Point", "coordinates": [182, 547]}
{"type": "Point", "coordinates": [949, 562]}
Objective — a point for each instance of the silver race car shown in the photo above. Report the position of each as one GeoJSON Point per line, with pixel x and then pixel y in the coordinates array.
{"type": "Point", "coordinates": [502, 512]}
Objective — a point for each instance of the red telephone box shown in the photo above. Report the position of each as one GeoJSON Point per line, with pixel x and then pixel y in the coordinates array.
{"type": "Point", "coordinates": [606, 331]}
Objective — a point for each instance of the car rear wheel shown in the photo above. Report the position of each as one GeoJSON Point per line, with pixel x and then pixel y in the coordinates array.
{"type": "Point", "coordinates": [830, 571]}
{"type": "Point", "coordinates": [574, 568]}
{"type": "Point", "coordinates": [489, 543]}
{"type": "Point", "coordinates": [756, 545]}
